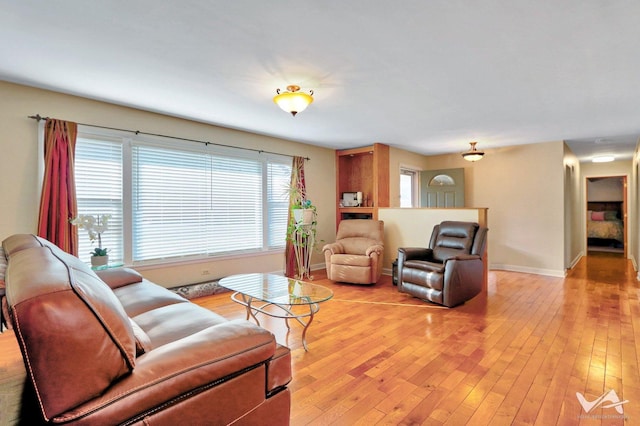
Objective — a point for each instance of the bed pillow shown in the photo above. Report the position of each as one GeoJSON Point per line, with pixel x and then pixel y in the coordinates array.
{"type": "Point", "coordinates": [611, 215]}
{"type": "Point", "coordinates": [597, 216]}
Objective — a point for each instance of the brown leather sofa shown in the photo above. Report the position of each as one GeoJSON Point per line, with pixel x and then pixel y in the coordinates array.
{"type": "Point", "coordinates": [356, 255]}
{"type": "Point", "coordinates": [451, 270]}
{"type": "Point", "coordinates": [110, 347]}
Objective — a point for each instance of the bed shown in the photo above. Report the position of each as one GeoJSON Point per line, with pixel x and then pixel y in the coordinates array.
{"type": "Point", "coordinates": [604, 223]}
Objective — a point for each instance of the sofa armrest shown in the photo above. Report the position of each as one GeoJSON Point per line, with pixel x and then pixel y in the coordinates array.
{"type": "Point", "coordinates": [415, 253]}
{"type": "Point", "coordinates": [333, 248]}
{"type": "Point", "coordinates": [377, 249]}
{"type": "Point", "coordinates": [463, 279]}
{"type": "Point", "coordinates": [119, 277]}
{"type": "Point", "coordinates": [185, 366]}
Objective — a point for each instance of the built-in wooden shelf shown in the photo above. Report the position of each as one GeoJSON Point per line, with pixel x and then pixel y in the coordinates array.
{"type": "Point", "coordinates": [365, 170]}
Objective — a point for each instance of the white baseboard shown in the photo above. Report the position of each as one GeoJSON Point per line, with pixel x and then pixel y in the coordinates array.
{"type": "Point", "coordinates": [500, 267]}
{"type": "Point", "coordinates": [527, 270]}
{"type": "Point", "coordinates": [576, 260]}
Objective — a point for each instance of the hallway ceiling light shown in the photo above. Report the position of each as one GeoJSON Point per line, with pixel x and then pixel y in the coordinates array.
{"type": "Point", "coordinates": [473, 154]}
{"type": "Point", "coordinates": [603, 159]}
{"type": "Point", "coordinates": [293, 100]}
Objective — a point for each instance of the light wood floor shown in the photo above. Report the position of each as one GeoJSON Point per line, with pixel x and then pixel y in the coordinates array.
{"type": "Point", "coordinates": [516, 355]}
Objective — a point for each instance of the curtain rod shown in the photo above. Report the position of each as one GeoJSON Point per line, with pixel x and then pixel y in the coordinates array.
{"type": "Point", "coordinates": [38, 118]}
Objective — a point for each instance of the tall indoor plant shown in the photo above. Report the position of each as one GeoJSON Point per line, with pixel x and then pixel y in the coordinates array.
{"type": "Point", "coordinates": [301, 229]}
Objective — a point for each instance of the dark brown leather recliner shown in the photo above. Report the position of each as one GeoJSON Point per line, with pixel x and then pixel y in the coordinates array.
{"type": "Point", "coordinates": [451, 270]}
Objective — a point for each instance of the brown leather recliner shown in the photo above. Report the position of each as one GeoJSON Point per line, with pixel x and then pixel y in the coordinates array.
{"type": "Point", "coordinates": [451, 270]}
{"type": "Point", "coordinates": [356, 256]}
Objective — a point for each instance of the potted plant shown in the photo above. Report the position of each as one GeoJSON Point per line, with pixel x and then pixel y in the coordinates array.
{"type": "Point", "coordinates": [302, 209]}
{"type": "Point", "coordinates": [95, 226]}
{"type": "Point", "coordinates": [301, 229]}
{"type": "Point", "coordinates": [304, 213]}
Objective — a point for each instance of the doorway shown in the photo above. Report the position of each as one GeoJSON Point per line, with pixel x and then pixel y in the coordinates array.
{"type": "Point", "coordinates": [442, 188]}
{"type": "Point", "coordinates": [607, 214]}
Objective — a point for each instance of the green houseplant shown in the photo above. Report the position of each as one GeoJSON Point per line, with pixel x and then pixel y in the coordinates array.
{"type": "Point", "coordinates": [304, 213]}
{"type": "Point", "coordinates": [301, 229]}
{"type": "Point", "coordinates": [95, 227]}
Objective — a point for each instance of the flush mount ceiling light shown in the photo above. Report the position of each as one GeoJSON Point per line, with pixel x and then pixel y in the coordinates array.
{"type": "Point", "coordinates": [603, 159]}
{"type": "Point", "coordinates": [293, 100]}
{"type": "Point", "coordinates": [473, 154]}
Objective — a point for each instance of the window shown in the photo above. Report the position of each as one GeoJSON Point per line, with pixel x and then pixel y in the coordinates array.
{"type": "Point", "coordinates": [181, 202]}
{"type": "Point", "coordinates": [408, 187]}
{"type": "Point", "coordinates": [442, 180]}
{"type": "Point", "coordinates": [98, 170]}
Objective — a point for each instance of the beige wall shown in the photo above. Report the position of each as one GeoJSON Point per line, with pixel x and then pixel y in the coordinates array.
{"type": "Point", "coordinates": [634, 211]}
{"type": "Point", "coordinates": [19, 159]}
{"type": "Point", "coordinates": [522, 186]}
{"type": "Point", "coordinates": [574, 247]}
{"type": "Point", "coordinates": [605, 189]}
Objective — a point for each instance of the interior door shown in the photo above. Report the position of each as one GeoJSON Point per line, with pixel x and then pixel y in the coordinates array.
{"type": "Point", "coordinates": [442, 188]}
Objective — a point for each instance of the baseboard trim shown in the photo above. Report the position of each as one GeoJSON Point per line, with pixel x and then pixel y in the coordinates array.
{"type": "Point", "coordinates": [527, 270]}
{"type": "Point", "coordinates": [512, 268]}
{"type": "Point", "coordinates": [576, 260]}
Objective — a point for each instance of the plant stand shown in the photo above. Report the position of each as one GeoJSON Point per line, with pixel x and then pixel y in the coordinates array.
{"type": "Point", "coordinates": [303, 243]}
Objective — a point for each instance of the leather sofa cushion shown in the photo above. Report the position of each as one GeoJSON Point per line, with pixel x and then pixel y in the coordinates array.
{"type": "Point", "coordinates": [163, 315]}
{"type": "Point", "coordinates": [118, 277]}
{"type": "Point", "coordinates": [88, 342]}
{"type": "Point", "coordinates": [20, 242]}
{"type": "Point", "coordinates": [176, 321]}
{"type": "Point", "coordinates": [145, 296]}
{"type": "Point", "coordinates": [143, 341]}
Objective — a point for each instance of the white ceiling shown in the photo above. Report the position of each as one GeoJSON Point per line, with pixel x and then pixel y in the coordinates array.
{"type": "Point", "coordinates": [426, 76]}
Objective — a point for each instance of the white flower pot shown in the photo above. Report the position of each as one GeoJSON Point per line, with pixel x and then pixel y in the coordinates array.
{"type": "Point", "coordinates": [99, 261]}
{"type": "Point", "coordinates": [303, 216]}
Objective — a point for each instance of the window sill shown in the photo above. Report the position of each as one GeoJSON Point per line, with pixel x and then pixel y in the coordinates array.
{"type": "Point", "coordinates": [157, 264]}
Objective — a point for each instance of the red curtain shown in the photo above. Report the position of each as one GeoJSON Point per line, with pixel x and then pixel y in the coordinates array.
{"type": "Point", "coordinates": [58, 201]}
{"type": "Point", "coordinates": [297, 181]}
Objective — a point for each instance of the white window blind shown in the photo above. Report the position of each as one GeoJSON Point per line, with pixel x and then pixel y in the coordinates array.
{"type": "Point", "coordinates": [189, 203]}
{"type": "Point", "coordinates": [279, 179]}
{"type": "Point", "coordinates": [181, 202]}
{"type": "Point", "coordinates": [98, 177]}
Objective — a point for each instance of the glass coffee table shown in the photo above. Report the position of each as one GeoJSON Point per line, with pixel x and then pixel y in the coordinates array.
{"type": "Point", "coordinates": [277, 296]}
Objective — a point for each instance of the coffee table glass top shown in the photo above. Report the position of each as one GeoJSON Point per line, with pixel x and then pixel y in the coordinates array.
{"type": "Point", "coordinates": [277, 289]}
